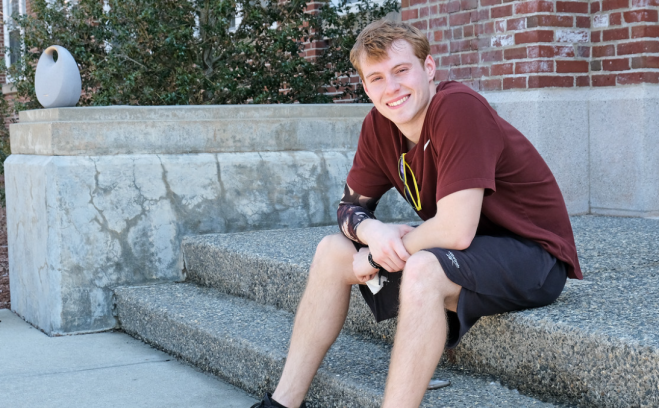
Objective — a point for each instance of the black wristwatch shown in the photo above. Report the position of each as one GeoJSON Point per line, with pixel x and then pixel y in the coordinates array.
{"type": "Point", "coordinates": [373, 263]}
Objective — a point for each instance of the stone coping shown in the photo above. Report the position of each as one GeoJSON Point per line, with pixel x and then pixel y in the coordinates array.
{"type": "Point", "coordinates": [187, 129]}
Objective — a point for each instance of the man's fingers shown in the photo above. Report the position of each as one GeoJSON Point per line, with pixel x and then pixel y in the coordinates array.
{"type": "Point", "coordinates": [401, 252]}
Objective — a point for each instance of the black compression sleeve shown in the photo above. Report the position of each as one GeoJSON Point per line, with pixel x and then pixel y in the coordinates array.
{"type": "Point", "coordinates": [353, 209]}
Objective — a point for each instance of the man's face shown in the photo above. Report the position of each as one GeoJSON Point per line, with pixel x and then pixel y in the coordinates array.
{"type": "Point", "coordinates": [399, 85]}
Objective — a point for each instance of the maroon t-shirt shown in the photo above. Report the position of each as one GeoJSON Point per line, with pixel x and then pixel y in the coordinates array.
{"type": "Point", "coordinates": [465, 144]}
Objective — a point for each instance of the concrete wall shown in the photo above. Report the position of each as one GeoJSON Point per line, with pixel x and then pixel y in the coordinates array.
{"type": "Point", "coordinates": [100, 197]}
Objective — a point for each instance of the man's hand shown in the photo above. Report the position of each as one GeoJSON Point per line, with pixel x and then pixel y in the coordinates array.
{"type": "Point", "coordinates": [362, 268]}
{"type": "Point", "coordinates": [385, 243]}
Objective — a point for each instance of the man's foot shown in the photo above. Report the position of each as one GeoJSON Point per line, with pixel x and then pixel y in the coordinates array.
{"type": "Point", "coordinates": [268, 402]}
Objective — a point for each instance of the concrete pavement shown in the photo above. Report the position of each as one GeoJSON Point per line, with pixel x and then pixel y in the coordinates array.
{"type": "Point", "coordinates": [99, 370]}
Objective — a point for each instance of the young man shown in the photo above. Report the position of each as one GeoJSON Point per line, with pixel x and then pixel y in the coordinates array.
{"type": "Point", "coordinates": [496, 235]}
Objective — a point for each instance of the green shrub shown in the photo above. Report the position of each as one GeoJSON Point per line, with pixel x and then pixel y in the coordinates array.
{"type": "Point", "coordinates": [170, 52]}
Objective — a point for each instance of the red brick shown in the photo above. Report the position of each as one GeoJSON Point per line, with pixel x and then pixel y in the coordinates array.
{"type": "Point", "coordinates": [428, 11]}
{"type": "Point", "coordinates": [615, 19]}
{"type": "Point", "coordinates": [572, 7]}
{"type": "Point", "coordinates": [436, 49]}
{"type": "Point", "coordinates": [596, 65]}
{"type": "Point", "coordinates": [451, 60]}
{"type": "Point", "coordinates": [534, 36]}
{"type": "Point", "coordinates": [644, 62]}
{"type": "Point", "coordinates": [448, 34]}
{"type": "Point", "coordinates": [479, 72]}
{"type": "Point", "coordinates": [604, 80]}
{"type": "Point", "coordinates": [488, 28]}
{"type": "Point", "coordinates": [421, 25]}
{"type": "Point", "coordinates": [486, 3]}
{"type": "Point", "coordinates": [638, 78]}
{"type": "Point", "coordinates": [501, 11]}
{"type": "Point", "coordinates": [604, 51]}
{"type": "Point", "coordinates": [438, 36]}
{"type": "Point", "coordinates": [639, 16]}
{"type": "Point", "coordinates": [469, 58]}
{"type": "Point", "coordinates": [527, 67]}
{"type": "Point", "coordinates": [614, 4]}
{"type": "Point", "coordinates": [490, 85]}
{"type": "Point", "coordinates": [619, 64]}
{"type": "Point", "coordinates": [645, 3]}
{"type": "Point", "coordinates": [595, 7]}
{"type": "Point", "coordinates": [410, 14]}
{"type": "Point", "coordinates": [541, 51]}
{"type": "Point", "coordinates": [638, 47]}
{"type": "Point", "coordinates": [457, 33]}
{"type": "Point", "coordinates": [514, 82]}
{"type": "Point", "coordinates": [480, 15]}
{"type": "Point", "coordinates": [492, 56]}
{"type": "Point", "coordinates": [460, 73]}
{"type": "Point", "coordinates": [417, 2]}
{"type": "Point", "coordinates": [516, 23]}
{"type": "Point", "coordinates": [583, 22]}
{"type": "Point", "coordinates": [468, 31]}
{"type": "Point", "coordinates": [615, 34]}
{"type": "Point", "coordinates": [515, 53]}
{"type": "Point", "coordinates": [459, 46]}
{"type": "Point", "coordinates": [595, 36]}
{"type": "Point", "coordinates": [404, 4]}
{"type": "Point", "coordinates": [550, 81]}
{"type": "Point", "coordinates": [441, 74]}
{"type": "Point", "coordinates": [480, 43]}
{"type": "Point", "coordinates": [502, 69]}
{"type": "Point", "coordinates": [458, 19]}
{"type": "Point", "coordinates": [583, 51]}
{"type": "Point", "coordinates": [500, 26]}
{"type": "Point", "coordinates": [453, 6]}
{"type": "Point", "coordinates": [645, 31]}
{"type": "Point", "coordinates": [549, 20]}
{"type": "Point", "coordinates": [564, 67]}
{"type": "Point", "coordinates": [583, 81]}
{"type": "Point", "coordinates": [468, 4]}
{"type": "Point", "coordinates": [533, 6]}
{"type": "Point", "coordinates": [437, 22]}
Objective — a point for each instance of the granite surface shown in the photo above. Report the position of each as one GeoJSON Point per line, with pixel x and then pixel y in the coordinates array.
{"type": "Point", "coordinates": [246, 344]}
{"type": "Point", "coordinates": [596, 346]}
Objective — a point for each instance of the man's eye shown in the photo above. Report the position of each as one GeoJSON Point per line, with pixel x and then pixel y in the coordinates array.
{"type": "Point", "coordinates": [400, 71]}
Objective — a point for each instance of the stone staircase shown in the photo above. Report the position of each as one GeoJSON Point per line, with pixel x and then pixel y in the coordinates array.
{"type": "Point", "coordinates": [598, 345]}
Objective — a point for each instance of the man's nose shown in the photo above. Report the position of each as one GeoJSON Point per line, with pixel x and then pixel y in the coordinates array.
{"type": "Point", "coordinates": [392, 86]}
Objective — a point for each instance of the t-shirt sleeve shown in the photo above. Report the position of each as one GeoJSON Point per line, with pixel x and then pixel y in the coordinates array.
{"type": "Point", "coordinates": [366, 176]}
{"type": "Point", "coordinates": [467, 142]}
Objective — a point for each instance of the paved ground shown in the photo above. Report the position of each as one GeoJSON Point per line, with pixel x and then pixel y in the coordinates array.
{"type": "Point", "coordinates": [99, 370]}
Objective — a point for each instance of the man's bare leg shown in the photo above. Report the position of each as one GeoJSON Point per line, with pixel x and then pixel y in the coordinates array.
{"type": "Point", "coordinates": [421, 334]}
{"type": "Point", "coordinates": [314, 330]}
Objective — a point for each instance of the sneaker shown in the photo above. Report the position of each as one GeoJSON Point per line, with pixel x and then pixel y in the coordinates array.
{"type": "Point", "coordinates": [268, 402]}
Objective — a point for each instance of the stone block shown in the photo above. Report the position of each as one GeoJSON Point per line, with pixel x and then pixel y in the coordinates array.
{"type": "Point", "coordinates": [556, 123]}
{"type": "Point", "coordinates": [624, 151]}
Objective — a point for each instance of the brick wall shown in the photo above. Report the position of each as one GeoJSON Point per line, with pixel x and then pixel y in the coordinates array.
{"type": "Point", "coordinates": [503, 44]}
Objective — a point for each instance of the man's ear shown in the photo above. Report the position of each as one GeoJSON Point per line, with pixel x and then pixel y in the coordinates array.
{"type": "Point", "coordinates": [365, 87]}
{"type": "Point", "coordinates": [429, 65]}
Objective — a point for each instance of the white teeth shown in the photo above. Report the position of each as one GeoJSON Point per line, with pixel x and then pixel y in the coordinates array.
{"type": "Point", "coordinates": [398, 102]}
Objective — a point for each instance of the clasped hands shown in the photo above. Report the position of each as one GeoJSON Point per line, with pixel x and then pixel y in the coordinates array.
{"type": "Point", "coordinates": [385, 244]}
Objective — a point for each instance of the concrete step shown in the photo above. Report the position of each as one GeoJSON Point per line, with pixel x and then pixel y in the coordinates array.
{"type": "Point", "coordinates": [245, 343]}
{"type": "Point", "coordinates": [596, 346]}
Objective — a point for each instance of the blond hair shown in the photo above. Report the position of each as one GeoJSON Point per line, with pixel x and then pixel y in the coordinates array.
{"type": "Point", "coordinates": [376, 39]}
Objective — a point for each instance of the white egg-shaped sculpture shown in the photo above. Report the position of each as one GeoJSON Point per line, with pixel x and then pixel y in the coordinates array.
{"type": "Point", "coordinates": [57, 83]}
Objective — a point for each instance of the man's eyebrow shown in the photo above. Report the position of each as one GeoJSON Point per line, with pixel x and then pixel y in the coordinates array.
{"type": "Point", "coordinates": [395, 66]}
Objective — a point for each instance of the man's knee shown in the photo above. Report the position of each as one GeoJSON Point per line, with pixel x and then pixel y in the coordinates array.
{"type": "Point", "coordinates": [423, 276]}
{"type": "Point", "coordinates": [333, 250]}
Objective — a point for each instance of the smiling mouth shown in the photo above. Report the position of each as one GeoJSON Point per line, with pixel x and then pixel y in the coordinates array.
{"type": "Point", "coordinates": [398, 102]}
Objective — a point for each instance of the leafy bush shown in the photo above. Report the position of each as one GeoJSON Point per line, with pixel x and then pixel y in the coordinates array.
{"type": "Point", "coordinates": [169, 52]}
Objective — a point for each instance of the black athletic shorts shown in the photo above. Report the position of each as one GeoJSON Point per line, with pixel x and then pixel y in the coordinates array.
{"type": "Point", "coordinates": [497, 273]}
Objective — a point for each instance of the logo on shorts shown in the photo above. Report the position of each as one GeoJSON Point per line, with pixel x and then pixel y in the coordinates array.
{"type": "Point", "coordinates": [454, 261]}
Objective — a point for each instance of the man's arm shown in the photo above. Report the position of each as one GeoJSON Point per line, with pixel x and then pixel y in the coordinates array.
{"type": "Point", "coordinates": [453, 227]}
